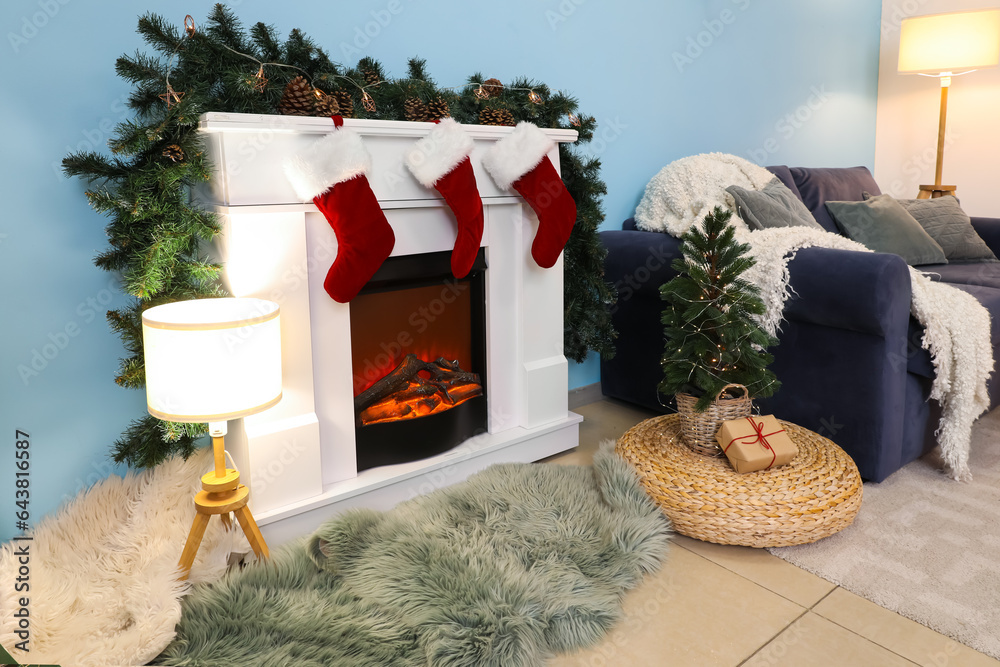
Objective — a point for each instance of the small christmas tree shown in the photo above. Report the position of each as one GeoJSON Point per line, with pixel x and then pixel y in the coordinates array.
{"type": "Point", "coordinates": [712, 338]}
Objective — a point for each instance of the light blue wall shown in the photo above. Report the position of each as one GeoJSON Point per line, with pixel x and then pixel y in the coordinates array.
{"type": "Point", "coordinates": [757, 62]}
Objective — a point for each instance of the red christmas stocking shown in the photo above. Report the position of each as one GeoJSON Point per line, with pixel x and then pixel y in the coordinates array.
{"type": "Point", "coordinates": [521, 161]}
{"type": "Point", "coordinates": [332, 174]}
{"type": "Point", "coordinates": [441, 161]}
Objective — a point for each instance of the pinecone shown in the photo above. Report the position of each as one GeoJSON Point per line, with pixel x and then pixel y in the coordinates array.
{"type": "Point", "coordinates": [415, 110]}
{"type": "Point", "coordinates": [492, 116]}
{"type": "Point", "coordinates": [326, 105]}
{"type": "Point", "coordinates": [371, 77]}
{"type": "Point", "coordinates": [298, 98]}
{"type": "Point", "coordinates": [492, 88]}
{"type": "Point", "coordinates": [174, 152]}
{"type": "Point", "coordinates": [437, 109]}
{"type": "Point", "coordinates": [345, 103]}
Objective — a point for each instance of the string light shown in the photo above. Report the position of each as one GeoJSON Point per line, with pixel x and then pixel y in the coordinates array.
{"type": "Point", "coordinates": [259, 82]}
{"type": "Point", "coordinates": [171, 97]}
{"type": "Point", "coordinates": [366, 101]}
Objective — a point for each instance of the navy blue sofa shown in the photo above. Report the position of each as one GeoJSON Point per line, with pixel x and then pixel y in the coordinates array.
{"type": "Point", "coordinates": [849, 357]}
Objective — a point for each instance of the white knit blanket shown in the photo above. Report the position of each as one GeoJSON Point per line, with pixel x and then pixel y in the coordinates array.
{"type": "Point", "coordinates": [956, 326]}
{"type": "Point", "coordinates": [686, 190]}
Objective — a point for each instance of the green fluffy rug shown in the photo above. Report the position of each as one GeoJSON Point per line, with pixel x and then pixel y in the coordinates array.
{"type": "Point", "coordinates": [507, 568]}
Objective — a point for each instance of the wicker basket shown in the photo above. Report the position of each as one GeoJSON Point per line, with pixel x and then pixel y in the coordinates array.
{"type": "Point", "coordinates": [815, 495]}
{"type": "Point", "coordinates": [698, 429]}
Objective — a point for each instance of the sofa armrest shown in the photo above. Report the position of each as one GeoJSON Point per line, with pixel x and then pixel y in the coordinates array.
{"type": "Point", "coordinates": [989, 230]}
{"type": "Point", "coordinates": [638, 262]}
{"type": "Point", "coordinates": [865, 292]}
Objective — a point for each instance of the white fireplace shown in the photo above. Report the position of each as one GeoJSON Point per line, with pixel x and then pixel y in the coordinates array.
{"type": "Point", "coordinates": [299, 458]}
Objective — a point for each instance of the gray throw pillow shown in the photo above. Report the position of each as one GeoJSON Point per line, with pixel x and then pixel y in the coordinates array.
{"type": "Point", "coordinates": [945, 221]}
{"type": "Point", "coordinates": [772, 206]}
{"type": "Point", "coordinates": [883, 225]}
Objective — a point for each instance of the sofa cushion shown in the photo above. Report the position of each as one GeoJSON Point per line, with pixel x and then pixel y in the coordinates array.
{"type": "Point", "coordinates": [945, 221]}
{"type": "Point", "coordinates": [817, 186]}
{"type": "Point", "coordinates": [772, 206]}
{"type": "Point", "coordinates": [986, 274]}
{"type": "Point", "coordinates": [989, 297]}
{"type": "Point", "coordinates": [883, 225]}
{"type": "Point", "coordinates": [784, 175]}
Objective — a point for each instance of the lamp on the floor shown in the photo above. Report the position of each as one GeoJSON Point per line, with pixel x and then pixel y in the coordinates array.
{"type": "Point", "coordinates": [212, 360]}
{"type": "Point", "coordinates": [940, 44]}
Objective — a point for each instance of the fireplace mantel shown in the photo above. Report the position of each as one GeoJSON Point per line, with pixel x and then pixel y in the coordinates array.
{"type": "Point", "coordinates": [299, 457]}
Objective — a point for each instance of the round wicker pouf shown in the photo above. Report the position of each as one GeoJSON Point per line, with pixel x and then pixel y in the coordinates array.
{"type": "Point", "coordinates": [814, 496]}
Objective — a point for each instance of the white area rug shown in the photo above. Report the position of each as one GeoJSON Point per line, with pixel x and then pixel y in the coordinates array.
{"type": "Point", "coordinates": [103, 570]}
{"type": "Point", "coordinates": [925, 546]}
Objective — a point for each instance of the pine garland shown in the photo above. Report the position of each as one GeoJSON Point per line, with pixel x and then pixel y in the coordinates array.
{"type": "Point", "coordinates": [155, 232]}
{"type": "Point", "coordinates": [712, 336]}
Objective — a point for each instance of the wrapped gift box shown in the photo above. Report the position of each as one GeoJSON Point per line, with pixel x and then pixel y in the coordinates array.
{"type": "Point", "coordinates": [755, 443]}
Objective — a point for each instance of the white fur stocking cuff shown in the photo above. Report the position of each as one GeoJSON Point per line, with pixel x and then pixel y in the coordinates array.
{"type": "Point", "coordinates": [514, 156]}
{"type": "Point", "coordinates": [337, 157]}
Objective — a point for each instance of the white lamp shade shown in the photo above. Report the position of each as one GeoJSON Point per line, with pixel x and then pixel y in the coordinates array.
{"type": "Point", "coordinates": [950, 42]}
{"type": "Point", "coordinates": [211, 360]}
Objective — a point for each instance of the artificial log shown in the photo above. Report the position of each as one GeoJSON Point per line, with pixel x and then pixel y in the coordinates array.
{"type": "Point", "coordinates": [405, 393]}
{"type": "Point", "coordinates": [386, 411]}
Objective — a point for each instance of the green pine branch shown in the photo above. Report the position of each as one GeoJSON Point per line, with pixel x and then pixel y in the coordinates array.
{"type": "Point", "coordinates": [155, 233]}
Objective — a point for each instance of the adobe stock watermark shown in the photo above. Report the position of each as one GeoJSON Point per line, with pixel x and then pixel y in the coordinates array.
{"type": "Point", "coordinates": [364, 34]}
{"type": "Point", "coordinates": [562, 12]}
{"type": "Point", "coordinates": [32, 24]}
{"type": "Point", "coordinates": [893, 19]}
{"type": "Point", "coordinates": [917, 168]}
{"type": "Point", "coordinates": [703, 40]}
{"type": "Point", "coordinates": [95, 138]}
{"type": "Point", "coordinates": [786, 126]}
{"type": "Point", "coordinates": [39, 358]}
{"type": "Point", "coordinates": [499, 420]}
{"type": "Point", "coordinates": [100, 470]}
{"type": "Point", "coordinates": [631, 283]}
{"type": "Point", "coordinates": [606, 135]}
{"type": "Point", "coordinates": [635, 622]}
{"type": "Point", "coordinates": [944, 657]}
{"type": "Point", "coordinates": [776, 652]}
{"type": "Point", "coordinates": [291, 450]}
{"type": "Point", "coordinates": [419, 321]}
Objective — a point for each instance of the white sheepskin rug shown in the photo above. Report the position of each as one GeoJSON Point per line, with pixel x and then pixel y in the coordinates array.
{"type": "Point", "coordinates": [956, 326]}
{"type": "Point", "coordinates": [687, 190]}
{"type": "Point", "coordinates": [103, 570]}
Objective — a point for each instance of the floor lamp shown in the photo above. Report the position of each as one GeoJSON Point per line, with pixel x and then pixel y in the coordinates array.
{"type": "Point", "coordinates": [939, 45]}
{"type": "Point", "coordinates": [212, 360]}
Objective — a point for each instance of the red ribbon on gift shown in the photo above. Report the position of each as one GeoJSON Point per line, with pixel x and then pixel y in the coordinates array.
{"type": "Point", "coordinates": [758, 436]}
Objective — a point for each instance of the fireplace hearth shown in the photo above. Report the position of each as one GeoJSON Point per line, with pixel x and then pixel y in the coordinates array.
{"type": "Point", "coordinates": [311, 456]}
{"type": "Point", "coordinates": [418, 357]}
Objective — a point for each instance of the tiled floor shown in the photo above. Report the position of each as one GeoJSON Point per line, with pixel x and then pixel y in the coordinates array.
{"type": "Point", "coordinates": [723, 606]}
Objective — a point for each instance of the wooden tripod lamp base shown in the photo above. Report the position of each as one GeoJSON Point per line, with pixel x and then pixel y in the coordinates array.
{"type": "Point", "coordinates": [935, 191]}
{"type": "Point", "coordinates": [221, 494]}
